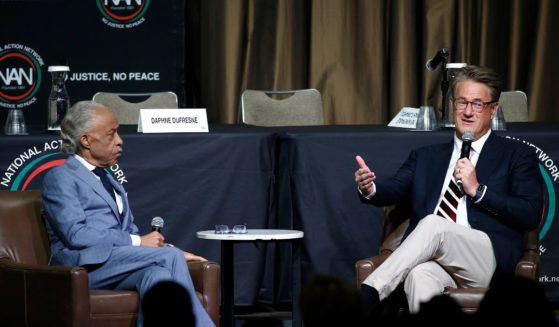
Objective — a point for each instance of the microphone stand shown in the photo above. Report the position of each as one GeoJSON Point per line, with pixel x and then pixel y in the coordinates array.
{"type": "Point", "coordinates": [444, 90]}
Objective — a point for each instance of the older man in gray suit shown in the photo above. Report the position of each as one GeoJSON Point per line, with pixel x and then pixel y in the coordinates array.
{"type": "Point", "coordinates": [88, 217]}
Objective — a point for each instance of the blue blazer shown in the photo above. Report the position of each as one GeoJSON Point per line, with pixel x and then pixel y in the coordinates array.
{"type": "Point", "coordinates": [82, 220]}
{"type": "Point", "coordinates": [512, 204]}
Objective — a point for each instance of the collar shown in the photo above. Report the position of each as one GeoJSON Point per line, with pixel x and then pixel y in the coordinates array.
{"type": "Point", "coordinates": [84, 162]}
{"type": "Point", "coordinates": [477, 145]}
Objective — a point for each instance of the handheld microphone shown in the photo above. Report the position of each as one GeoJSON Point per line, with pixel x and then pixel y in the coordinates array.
{"type": "Point", "coordinates": [441, 55]}
{"type": "Point", "coordinates": [157, 224]}
{"type": "Point", "coordinates": [467, 139]}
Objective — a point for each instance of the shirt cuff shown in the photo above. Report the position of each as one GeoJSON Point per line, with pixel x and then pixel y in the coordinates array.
{"type": "Point", "coordinates": [369, 196]}
{"type": "Point", "coordinates": [136, 240]}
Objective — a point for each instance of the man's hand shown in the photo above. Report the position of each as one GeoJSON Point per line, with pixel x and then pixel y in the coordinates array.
{"type": "Point", "coordinates": [192, 257]}
{"type": "Point", "coordinates": [153, 239]}
{"type": "Point", "coordinates": [466, 172]}
{"type": "Point", "coordinates": [364, 177]}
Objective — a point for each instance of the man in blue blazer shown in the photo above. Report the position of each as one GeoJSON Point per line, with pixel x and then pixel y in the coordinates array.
{"type": "Point", "coordinates": [464, 236]}
{"type": "Point", "coordinates": [89, 221]}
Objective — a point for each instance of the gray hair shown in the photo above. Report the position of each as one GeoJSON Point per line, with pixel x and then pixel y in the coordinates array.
{"type": "Point", "coordinates": [76, 123]}
{"type": "Point", "coordinates": [479, 74]}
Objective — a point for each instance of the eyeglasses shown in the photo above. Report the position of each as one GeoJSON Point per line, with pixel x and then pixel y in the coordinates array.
{"type": "Point", "coordinates": [237, 229]}
{"type": "Point", "coordinates": [477, 105]}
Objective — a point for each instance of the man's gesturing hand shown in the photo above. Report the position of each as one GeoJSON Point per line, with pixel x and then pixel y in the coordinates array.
{"type": "Point", "coordinates": [364, 177]}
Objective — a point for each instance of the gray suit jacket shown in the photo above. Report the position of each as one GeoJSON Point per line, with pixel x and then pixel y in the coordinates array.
{"type": "Point", "coordinates": [82, 220]}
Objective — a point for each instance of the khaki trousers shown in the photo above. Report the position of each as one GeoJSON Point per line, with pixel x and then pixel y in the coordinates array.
{"type": "Point", "coordinates": [436, 254]}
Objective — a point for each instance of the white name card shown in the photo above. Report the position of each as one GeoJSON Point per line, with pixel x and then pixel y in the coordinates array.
{"type": "Point", "coordinates": [172, 121]}
{"type": "Point", "coordinates": [406, 118]}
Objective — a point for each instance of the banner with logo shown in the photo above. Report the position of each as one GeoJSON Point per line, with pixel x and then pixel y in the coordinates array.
{"type": "Point", "coordinates": [129, 46]}
{"type": "Point", "coordinates": [548, 156]}
{"type": "Point", "coordinates": [174, 180]}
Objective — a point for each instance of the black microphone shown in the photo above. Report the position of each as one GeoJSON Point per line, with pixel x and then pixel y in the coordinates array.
{"type": "Point", "coordinates": [157, 224]}
{"type": "Point", "coordinates": [441, 55]}
{"type": "Point", "coordinates": [467, 139]}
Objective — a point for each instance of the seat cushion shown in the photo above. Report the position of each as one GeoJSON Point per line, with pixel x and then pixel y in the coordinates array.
{"type": "Point", "coordinates": [113, 308]}
{"type": "Point", "coordinates": [467, 298]}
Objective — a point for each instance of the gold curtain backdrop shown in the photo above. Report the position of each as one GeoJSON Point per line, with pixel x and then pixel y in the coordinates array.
{"type": "Point", "coordinates": [366, 57]}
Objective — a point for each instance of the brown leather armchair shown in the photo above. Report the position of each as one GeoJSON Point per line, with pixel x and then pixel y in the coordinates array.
{"type": "Point", "coordinates": [36, 294]}
{"type": "Point", "coordinates": [468, 299]}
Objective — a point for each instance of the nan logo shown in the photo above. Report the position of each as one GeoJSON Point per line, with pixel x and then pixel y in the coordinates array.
{"type": "Point", "coordinates": [20, 75]}
{"type": "Point", "coordinates": [550, 174]}
{"type": "Point", "coordinates": [26, 169]}
{"type": "Point", "coordinates": [123, 14]}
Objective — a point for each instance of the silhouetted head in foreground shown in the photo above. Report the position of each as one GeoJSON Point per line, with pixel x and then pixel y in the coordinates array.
{"type": "Point", "coordinates": [167, 304]}
{"type": "Point", "coordinates": [515, 301]}
{"type": "Point", "coordinates": [330, 301]}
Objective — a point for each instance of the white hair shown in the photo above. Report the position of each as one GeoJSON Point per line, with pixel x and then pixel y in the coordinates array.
{"type": "Point", "coordinates": [76, 123]}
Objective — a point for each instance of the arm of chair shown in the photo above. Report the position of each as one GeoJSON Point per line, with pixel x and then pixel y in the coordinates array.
{"type": "Point", "coordinates": [365, 267]}
{"type": "Point", "coordinates": [528, 265]}
{"type": "Point", "coordinates": [43, 295]}
{"type": "Point", "coordinates": [395, 225]}
{"type": "Point", "coordinates": [206, 278]}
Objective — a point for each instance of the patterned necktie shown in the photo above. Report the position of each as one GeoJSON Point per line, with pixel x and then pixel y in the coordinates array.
{"type": "Point", "coordinates": [449, 203]}
{"type": "Point", "coordinates": [105, 180]}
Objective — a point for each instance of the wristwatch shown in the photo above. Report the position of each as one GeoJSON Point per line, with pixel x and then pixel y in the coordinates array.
{"type": "Point", "coordinates": [479, 192]}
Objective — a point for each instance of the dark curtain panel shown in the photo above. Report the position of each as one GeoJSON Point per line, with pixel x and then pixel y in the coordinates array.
{"type": "Point", "coordinates": [366, 57]}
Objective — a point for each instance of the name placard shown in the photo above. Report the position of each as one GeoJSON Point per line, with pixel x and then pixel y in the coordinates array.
{"type": "Point", "coordinates": [173, 121]}
{"type": "Point", "coordinates": [406, 118]}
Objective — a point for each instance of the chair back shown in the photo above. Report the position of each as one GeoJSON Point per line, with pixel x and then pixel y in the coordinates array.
{"type": "Point", "coordinates": [514, 105]}
{"type": "Point", "coordinates": [282, 108]}
{"type": "Point", "coordinates": [396, 222]}
{"type": "Point", "coordinates": [23, 237]}
{"type": "Point", "coordinates": [126, 106]}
